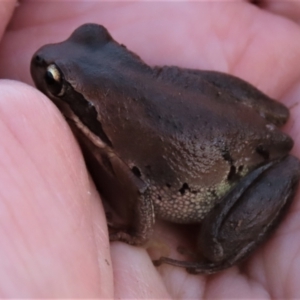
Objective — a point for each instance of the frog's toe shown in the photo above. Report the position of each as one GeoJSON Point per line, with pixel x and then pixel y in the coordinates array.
{"type": "Point", "coordinates": [192, 267]}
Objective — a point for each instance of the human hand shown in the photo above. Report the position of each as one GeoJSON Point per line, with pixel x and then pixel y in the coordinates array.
{"type": "Point", "coordinates": [54, 233]}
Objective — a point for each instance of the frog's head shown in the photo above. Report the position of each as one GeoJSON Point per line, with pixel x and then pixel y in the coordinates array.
{"type": "Point", "coordinates": [89, 60]}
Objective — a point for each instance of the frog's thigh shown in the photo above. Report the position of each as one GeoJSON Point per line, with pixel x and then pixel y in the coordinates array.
{"type": "Point", "coordinates": [249, 212]}
{"type": "Point", "coordinates": [245, 216]}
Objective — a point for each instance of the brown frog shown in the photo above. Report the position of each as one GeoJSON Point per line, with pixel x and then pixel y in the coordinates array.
{"type": "Point", "coordinates": [182, 145]}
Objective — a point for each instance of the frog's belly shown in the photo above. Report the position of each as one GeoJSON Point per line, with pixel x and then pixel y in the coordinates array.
{"type": "Point", "coordinates": [178, 207]}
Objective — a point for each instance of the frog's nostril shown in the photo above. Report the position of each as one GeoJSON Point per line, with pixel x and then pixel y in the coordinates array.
{"type": "Point", "coordinates": [38, 59]}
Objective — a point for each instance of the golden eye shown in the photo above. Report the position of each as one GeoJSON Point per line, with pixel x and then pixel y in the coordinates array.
{"type": "Point", "coordinates": [54, 80]}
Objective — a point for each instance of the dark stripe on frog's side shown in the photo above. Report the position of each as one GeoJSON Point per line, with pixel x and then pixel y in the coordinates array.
{"type": "Point", "coordinates": [85, 112]}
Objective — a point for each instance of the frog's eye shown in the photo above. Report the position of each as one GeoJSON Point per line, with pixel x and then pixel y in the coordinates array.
{"type": "Point", "coordinates": [54, 81]}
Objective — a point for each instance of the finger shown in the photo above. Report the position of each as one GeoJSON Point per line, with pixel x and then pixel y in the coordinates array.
{"type": "Point", "coordinates": [49, 239]}
{"type": "Point", "coordinates": [135, 274]}
{"type": "Point", "coordinates": [6, 11]}
{"type": "Point", "coordinates": [286, 9]}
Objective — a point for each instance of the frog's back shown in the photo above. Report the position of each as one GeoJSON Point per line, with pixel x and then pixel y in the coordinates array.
{"type": "Point", "coordinates": [201, 144]}
{"type": "Point", "coordinates": [208, 128]}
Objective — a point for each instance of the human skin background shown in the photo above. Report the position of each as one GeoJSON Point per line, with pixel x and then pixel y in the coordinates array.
{"type": "Point", "coordinates": [53, 232]}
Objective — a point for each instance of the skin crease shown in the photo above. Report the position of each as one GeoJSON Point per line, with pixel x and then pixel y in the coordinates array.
{"type": "Point", "coordinates": [53, 229]}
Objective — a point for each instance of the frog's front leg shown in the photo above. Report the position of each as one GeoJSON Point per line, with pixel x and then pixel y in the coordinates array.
{"type": "Point", "coordinates": [142, 224]}
{"type": "Point", "coordinates": [245, 216]}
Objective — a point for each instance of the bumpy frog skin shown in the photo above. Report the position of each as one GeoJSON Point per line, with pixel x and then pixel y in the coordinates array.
{"type": "Point", "coordinates": [183, 145]}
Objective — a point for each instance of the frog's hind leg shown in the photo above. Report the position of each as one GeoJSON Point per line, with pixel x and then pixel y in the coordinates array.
{"type": "Point", "coordinates": [245, 216]}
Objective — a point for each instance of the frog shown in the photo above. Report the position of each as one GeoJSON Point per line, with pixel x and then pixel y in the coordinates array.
{"type": "Point", "coordinates": [168, 143]}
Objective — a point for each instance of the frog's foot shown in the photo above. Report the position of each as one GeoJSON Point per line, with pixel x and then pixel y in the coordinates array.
{"type": "Point", "coordinates": [204, 267]}
{"type": "Point", "coordinates": [245, 217]}
{"type": "Point", "coordinates": [192, 267]}
{"type": "Point", "coordinates": [132, 239]}
{"type": "Point", "coordinates": [123, 236]}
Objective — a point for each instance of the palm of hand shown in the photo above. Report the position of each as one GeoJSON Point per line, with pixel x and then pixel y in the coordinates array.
{"type": "Point", "coordinates": [54, 209]}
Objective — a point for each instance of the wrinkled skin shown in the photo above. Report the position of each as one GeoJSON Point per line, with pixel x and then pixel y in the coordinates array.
{"type": "Point", "coordinates": [53, 228]}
